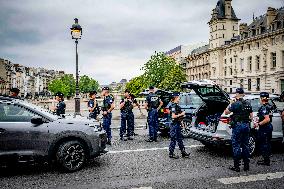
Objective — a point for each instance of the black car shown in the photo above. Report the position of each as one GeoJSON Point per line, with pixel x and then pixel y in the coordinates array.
{"type": "Point", "coordinates": [29, 134]}
{"type": "Point", "coordinates": [189, 101]}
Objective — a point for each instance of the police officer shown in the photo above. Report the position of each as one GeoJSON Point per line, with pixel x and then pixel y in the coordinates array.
{"type": "Point", "coordinates": [61, 106]}
{"type": "Point", "coordinates": [175, 128]}
{"type": "Point", "coordinates": [265, 129]}
{"type": "Point", "coordinates": [127, 116]}
{"type": "Point", "coordinates": [107, 107]}
{"type": "Point", "coordinates": [93, 105]}
{"type": "Point", "coordinates": [241, 118]}
{"type": "Point", "coordinates": [153, 105]}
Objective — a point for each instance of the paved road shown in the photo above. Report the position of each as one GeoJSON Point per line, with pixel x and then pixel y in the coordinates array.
{"type": "Point", "coordinates": [138, 164]}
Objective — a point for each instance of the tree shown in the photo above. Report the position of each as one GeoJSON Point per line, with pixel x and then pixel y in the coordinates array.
{"type": "Point", "coordinates": [174, 78]}
{"type": "Point", "coordinates": [88, 84]}
{"type": "Point", "coordinates": [67, 85]}
{"type": "Point", "coordinates": [157, 68]}
{"type": "Point", "coordinates": [136, 85]}
{"type": "Point", "coordinates": [160, 71]}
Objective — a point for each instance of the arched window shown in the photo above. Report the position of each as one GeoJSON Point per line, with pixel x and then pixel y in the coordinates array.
{"type": "Point", "coordinates": [223, 27]}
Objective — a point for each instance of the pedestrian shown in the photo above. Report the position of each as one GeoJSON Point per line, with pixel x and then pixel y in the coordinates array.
{"type": "Point", "coordinates": [240, 123]}
{"type": "Point", "coordinates": [14, 92]}
{"type": "Point", "coordinates": [265, 129]}
{"type": "Point", "coordinates": [127, 116]}
{"type": "Point", "coordinates": [61, 106]}
{"type": "Point", "coordinates": [153, 105]}
{"type": "Point", "coordinates": [93, 105]}
{"type": "Point", "coordinates": [175, 127]}
{"type": "Point", "coordinates": [107, 107]}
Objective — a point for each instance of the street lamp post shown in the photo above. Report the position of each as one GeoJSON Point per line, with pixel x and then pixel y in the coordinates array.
{"type": "Point", "coordinates": [76, 33]}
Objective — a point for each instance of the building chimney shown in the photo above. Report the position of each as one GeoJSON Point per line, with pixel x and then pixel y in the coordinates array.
{"type": "Point", "coordinates": [243, 27]}
{"type": "Point", "coordinates": [228, 9]}
{"type": "Point", "coordinates": [270, 15]}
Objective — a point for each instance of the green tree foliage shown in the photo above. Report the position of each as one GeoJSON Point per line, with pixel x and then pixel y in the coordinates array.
{"type": "Point", "coordinates": [88, 84]}
{"type": "Point", "coordinates": [136, 85]}
{"type": "Point", "coordinates": [67, 85]}
{"type": "Point", "coordinates": [160, 71]}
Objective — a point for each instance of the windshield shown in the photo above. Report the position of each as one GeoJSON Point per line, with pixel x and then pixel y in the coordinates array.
{"type": "Point", "coordinates": [191, 100]}
{"type": "Point", "coordinates": [39, 109]}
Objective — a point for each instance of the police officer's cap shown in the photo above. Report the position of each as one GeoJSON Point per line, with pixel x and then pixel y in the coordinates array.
{"type": "Point", "coordinates": [15, 90]}
{"type": "Point", "coordinates": [240, 91]}
{"type": "Point", "coordinates": [105, 89]}
{"type": "Point", "coordinates": [127, 91]}
{"type": "Point", "coordinates": [93, 92]}
{"type": "Point", "coordinates": [175, 94]}
{"type": "Point", "coordinates": [60, 94]}
{"type": "Point", "coordinates": [264, 95]}
{"type": "Point", "coordinates": [151, 87]}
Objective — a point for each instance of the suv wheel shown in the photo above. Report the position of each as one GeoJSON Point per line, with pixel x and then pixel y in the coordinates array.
{"type": "Point", "coordinates": [71, 156]}
{"type": "Point", "coordinates": [252, 145]}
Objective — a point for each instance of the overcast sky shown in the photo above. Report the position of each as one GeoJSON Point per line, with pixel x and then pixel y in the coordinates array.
{"type": "Point", "coordinates": [118, 35]}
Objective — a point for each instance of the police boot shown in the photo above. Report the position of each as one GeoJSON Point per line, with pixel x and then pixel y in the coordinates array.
{"type": "Point", "coordinates": [246, 166]}
{"type": "Point", "coordinates": [236, 166]}
{"type": "Point", "coordinates": [173, 156]}
{"type": "Point", "coordinates": [184, 154]}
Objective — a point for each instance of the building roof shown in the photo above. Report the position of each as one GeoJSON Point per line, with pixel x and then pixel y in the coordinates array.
{"type": "Point", "coordinates": [261, 21]}
{"type": "Point", "coordinates": [176, 49]}
{"type": "Point", "coordinates": [200, 50]}
{"type": "Point", "coordinates": [220, 11]}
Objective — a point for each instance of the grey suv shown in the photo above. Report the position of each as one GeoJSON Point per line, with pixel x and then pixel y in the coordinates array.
{"type": "Point", "coordinates": [211, 127]}
{"type": "Point", "coordinates": [29, 133]}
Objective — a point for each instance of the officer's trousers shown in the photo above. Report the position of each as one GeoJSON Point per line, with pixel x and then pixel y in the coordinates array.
{"type": "Point", "coordinates": [127, 119]}
{"type": "Point", "coordinates": [240, 142]}
{"type": "Point", "coordinates": [153, 123]}
{"type": "Point", "coordinates": [176, 136]}
{"type": "Point", "coordinates": [264, 140]}
{"type": "Point", "coordinates": [106, 124]}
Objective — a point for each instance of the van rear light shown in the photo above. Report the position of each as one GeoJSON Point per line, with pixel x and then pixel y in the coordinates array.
{"type": "Point", "coordinates": [226, 120]}
{"type": "Point", "coordinates": [166, 111]}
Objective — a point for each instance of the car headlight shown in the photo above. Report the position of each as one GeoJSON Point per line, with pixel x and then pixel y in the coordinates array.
{"type": "Point", "coordinates": [97, 127]}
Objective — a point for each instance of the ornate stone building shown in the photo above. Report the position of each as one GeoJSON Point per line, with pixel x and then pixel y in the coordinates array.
{"type": "Point", "coordinates": [241, 55]}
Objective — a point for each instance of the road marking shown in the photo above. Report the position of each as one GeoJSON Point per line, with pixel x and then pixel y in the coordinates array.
{"type": "Point", "coordinates": [143, 188]}
{"type": "Point", "coordinates": [251, 178]}
{"type": "Point", "coordinates": [149, 149]}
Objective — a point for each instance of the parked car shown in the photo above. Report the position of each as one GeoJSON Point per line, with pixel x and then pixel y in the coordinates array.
{"type": "Point", "coordinates": [211, 127]}
{"type": "Point", "coordinates": [189, 101]}
{"type": "Point", "coordinates": [31, 134]}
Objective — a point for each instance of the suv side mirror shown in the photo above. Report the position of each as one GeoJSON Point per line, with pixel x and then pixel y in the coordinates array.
{"type": "Point", "coordinates": [36, 120]}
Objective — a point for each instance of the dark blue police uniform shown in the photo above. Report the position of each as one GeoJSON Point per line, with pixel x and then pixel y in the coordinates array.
{"type": "Point", "coordinates": [60, 108]}
{"type": "Point", "coordinates": [175, 129]}
{"type": "Point", "coordinates": [240, 132]}
{"type": "Point", "coordinates": [127, 117]}
{"type": "Point", "coordinates": [153, 102]}
{"type": "Point", "coordinates": [93, 104]}
{"type": "Point", "coordinates": [107, 102]}
{"type": "Point", "coordinates": [265, 133]}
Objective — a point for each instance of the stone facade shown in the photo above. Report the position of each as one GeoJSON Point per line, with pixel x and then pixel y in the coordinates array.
{"type": "Point", "coordinates": [30, 81]}
{"type": "Point", "coordinates": [242, 55]}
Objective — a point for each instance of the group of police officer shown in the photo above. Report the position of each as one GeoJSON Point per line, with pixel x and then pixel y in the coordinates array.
{"type": "Point", "coordinates": [240, 123]}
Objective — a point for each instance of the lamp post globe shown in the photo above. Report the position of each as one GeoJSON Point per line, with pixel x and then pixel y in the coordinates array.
{"type": "Point", "coordinates": [76, 33]}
